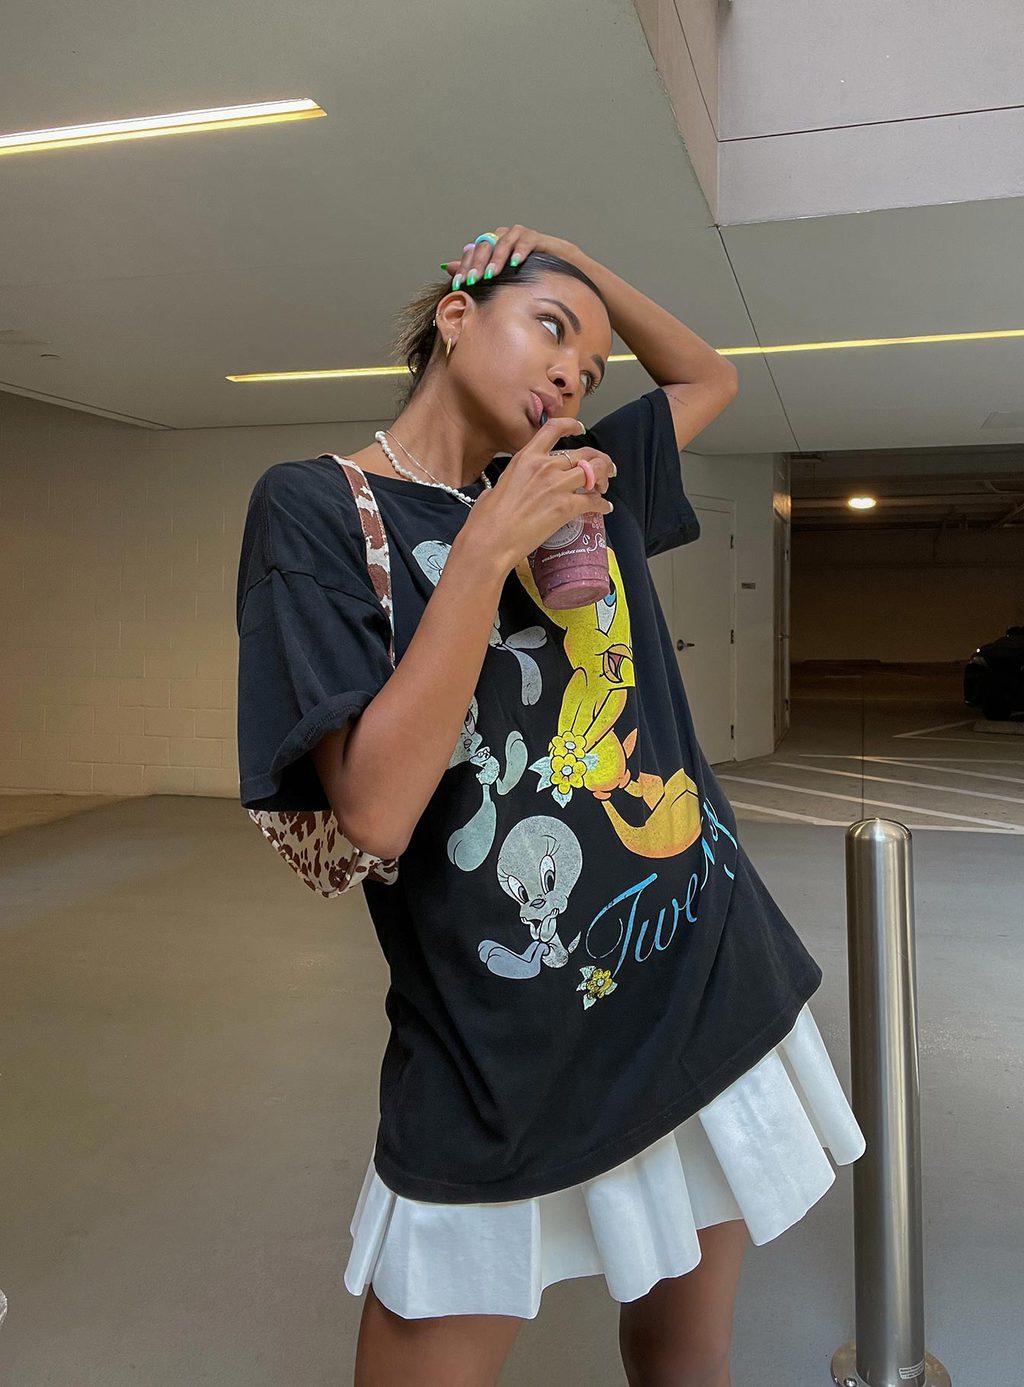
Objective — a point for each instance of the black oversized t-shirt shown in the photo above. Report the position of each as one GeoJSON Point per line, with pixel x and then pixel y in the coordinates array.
{"type": "Point", "coordinates": [581, 953]}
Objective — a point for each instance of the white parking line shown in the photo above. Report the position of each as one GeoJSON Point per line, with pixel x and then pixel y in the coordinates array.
{"type": "Point", "coordinates": [915, 760]}
{"type": "Point", "coordinates": [965, 828]}
{"type": "Point", "coordinates": [845, 823]}
{"type": "Point", "coordinates": [870, 799]}
{"type": "Point", "coordinates": [787, 814]}
{"type": "Point", "coordinates": [922, 764]}
{"type": "Point", "coordinates": [891, 780]}
{"type": "Point", "coordinates": [979, 740]}
{"type": "Point", "coordinates": [942, 726]}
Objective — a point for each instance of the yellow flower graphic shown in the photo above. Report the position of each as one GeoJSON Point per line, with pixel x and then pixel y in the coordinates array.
{"type": "Point", "coordinates": [565, 767]}
{"type": "Point", "coordinates": [597, 982]}
{"type": "Point", "coordinates": [567, 772]}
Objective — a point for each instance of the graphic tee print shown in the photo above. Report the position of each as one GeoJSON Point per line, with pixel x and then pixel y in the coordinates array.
{"type": "Point", "coordinates": [581, 954]}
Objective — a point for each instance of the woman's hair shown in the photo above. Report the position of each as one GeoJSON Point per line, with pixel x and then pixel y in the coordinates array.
{"type": "Point", "coordinates": [417, 336]}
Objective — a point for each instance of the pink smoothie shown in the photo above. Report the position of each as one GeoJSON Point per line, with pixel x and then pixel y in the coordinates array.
{"type": "Point", "coordinates": [571, 567]}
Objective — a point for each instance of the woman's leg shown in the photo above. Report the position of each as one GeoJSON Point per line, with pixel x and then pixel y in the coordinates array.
{"type": "Point", "coordinates": [439, 1351]}
{"type": "Point", "coordinates": [679, 1333]}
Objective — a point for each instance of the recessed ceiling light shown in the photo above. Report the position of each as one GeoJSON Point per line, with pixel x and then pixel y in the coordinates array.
{"type": "Point", "coordinates": [861, 502]}
{"type": "Point", "coordinates": [145, 127]}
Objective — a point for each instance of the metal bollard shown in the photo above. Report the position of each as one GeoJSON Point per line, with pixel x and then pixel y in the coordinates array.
{"type": "Point", "coordinates": [888, 1350]}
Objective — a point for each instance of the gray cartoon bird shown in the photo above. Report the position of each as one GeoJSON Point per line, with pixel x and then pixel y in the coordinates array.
{"type": "Point", "coordinates": [539, 863]}
{"type": "Point", "coordinates": [432, 555]}
{"type": "Point", "coordinates": [468, 846]}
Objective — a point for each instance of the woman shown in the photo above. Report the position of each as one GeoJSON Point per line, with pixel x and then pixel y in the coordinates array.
{"type": "Point", "coordinates": [601, 1057]}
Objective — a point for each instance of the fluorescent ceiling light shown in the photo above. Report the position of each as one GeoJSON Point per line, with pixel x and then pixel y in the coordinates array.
{"type": "Point", "coordinates": [145, 127]}
{"type": "Point", "coordinates": [871, 342]}
{"type": "Point", "coordinates": [356, 372]}
{"type": "Point", "coordinates": [347, 372]}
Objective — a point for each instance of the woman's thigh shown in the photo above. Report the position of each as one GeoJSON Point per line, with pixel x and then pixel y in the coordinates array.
{"type": "Point", "coordinates": [680, 1332]}
{"type": "Point", "coordinates": [439, 1351]}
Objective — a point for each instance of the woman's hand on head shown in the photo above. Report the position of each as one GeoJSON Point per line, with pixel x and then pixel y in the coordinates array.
{"type": "Point", "coordinates": [538, 492]}
{"type": "Point", "coordinates": [513, 242]}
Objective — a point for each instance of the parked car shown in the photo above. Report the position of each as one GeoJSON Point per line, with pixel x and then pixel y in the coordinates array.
{"type": "Point", "coordinates": [994, 676]}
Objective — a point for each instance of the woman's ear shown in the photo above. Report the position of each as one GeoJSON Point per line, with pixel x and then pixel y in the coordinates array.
{"type": "Point", "coordinates": [451, 312]}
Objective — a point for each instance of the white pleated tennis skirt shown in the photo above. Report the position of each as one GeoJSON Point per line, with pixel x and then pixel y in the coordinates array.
{"type": "Point", "coordinates": [756, 1152]}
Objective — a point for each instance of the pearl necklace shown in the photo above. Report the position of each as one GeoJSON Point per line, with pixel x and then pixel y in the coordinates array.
{"type": "Point", "coordinates": [380, 436]}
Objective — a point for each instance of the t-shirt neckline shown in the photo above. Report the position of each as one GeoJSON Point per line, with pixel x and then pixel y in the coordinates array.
{"type": "Point", "coordinates": [421, 490]}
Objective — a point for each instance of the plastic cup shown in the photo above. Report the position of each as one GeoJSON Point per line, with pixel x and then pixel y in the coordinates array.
{"type": "Point", "coordinates": [571, 567]}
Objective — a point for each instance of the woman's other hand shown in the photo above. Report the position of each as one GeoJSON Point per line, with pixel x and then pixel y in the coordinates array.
{"type": "Point", "coordinates": [514, 244]}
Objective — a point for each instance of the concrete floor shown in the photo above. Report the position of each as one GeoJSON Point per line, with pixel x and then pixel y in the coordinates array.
{"type": "Point", "coordinates": [20, 810]}
{"type": "Point", "coordinates": [190, 1044]}
{"type": "Point", "coordinates": [891, 740]}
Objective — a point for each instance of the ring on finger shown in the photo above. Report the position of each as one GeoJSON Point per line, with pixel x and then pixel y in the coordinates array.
{"type": "Point", "coordinates": [490, 239]}
{"type": "Point", "coordinates": [588, 472]}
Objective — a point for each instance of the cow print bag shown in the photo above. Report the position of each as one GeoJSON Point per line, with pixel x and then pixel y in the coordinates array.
{"type": "Point", "coordinates": [311, 841]}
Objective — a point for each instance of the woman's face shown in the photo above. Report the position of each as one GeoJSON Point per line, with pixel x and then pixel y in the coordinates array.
{"type": "Point", "coordinates": [552, 337]}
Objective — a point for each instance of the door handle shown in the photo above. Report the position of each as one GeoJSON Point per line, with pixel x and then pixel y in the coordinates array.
{"type": "Point", "coordinates": [685, 645]}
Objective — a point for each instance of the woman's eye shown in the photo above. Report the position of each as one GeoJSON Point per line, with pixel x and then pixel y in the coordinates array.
{"type": "Point", "coordinates": [591, 379]}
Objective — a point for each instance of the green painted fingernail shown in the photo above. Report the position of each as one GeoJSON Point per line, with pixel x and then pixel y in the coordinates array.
{"type": "Point", "coordinates": [456, 281]}
{"type": "Point", "coordinates": [515, 261]}
{"type": "Point", "coordinates": [444, 264]}
{"type": "Point", "coordinates": [489, 272]}
{"type": "Point", "coordinates": [471, 278]}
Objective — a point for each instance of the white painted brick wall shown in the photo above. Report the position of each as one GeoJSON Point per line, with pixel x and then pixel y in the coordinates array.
{"type": "Point", "coordinates": [118, 559]}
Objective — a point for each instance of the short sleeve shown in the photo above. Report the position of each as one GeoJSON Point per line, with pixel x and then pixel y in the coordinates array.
{"type": "Point", "coordinates": [640, 439]}
{"type": "Point", "coordinates": [311, 653]}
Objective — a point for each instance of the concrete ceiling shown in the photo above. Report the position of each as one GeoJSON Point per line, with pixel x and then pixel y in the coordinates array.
{"type": "Point", "coordinates": [916, 488]}
{"type": "Point", "coordinates": [135, 276]}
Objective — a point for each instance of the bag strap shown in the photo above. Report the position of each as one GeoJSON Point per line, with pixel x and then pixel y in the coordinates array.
{"type": "Point", "coordinates": [378, 557]}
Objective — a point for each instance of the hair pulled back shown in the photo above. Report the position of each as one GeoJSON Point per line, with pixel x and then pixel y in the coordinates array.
{"type": "Point", "coordinates": [416, 340]}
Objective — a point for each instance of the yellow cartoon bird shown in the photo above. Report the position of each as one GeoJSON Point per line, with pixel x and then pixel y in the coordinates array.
{"type": "Point", "coordinates": [589, 749]}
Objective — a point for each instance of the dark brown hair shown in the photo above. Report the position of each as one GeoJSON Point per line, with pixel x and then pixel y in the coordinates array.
{"type": "Point", "coordinates": [417, 337]}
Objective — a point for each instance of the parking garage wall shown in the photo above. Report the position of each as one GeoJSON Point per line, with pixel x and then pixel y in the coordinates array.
{"type": "Point", "coordinates": [906, 595]}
